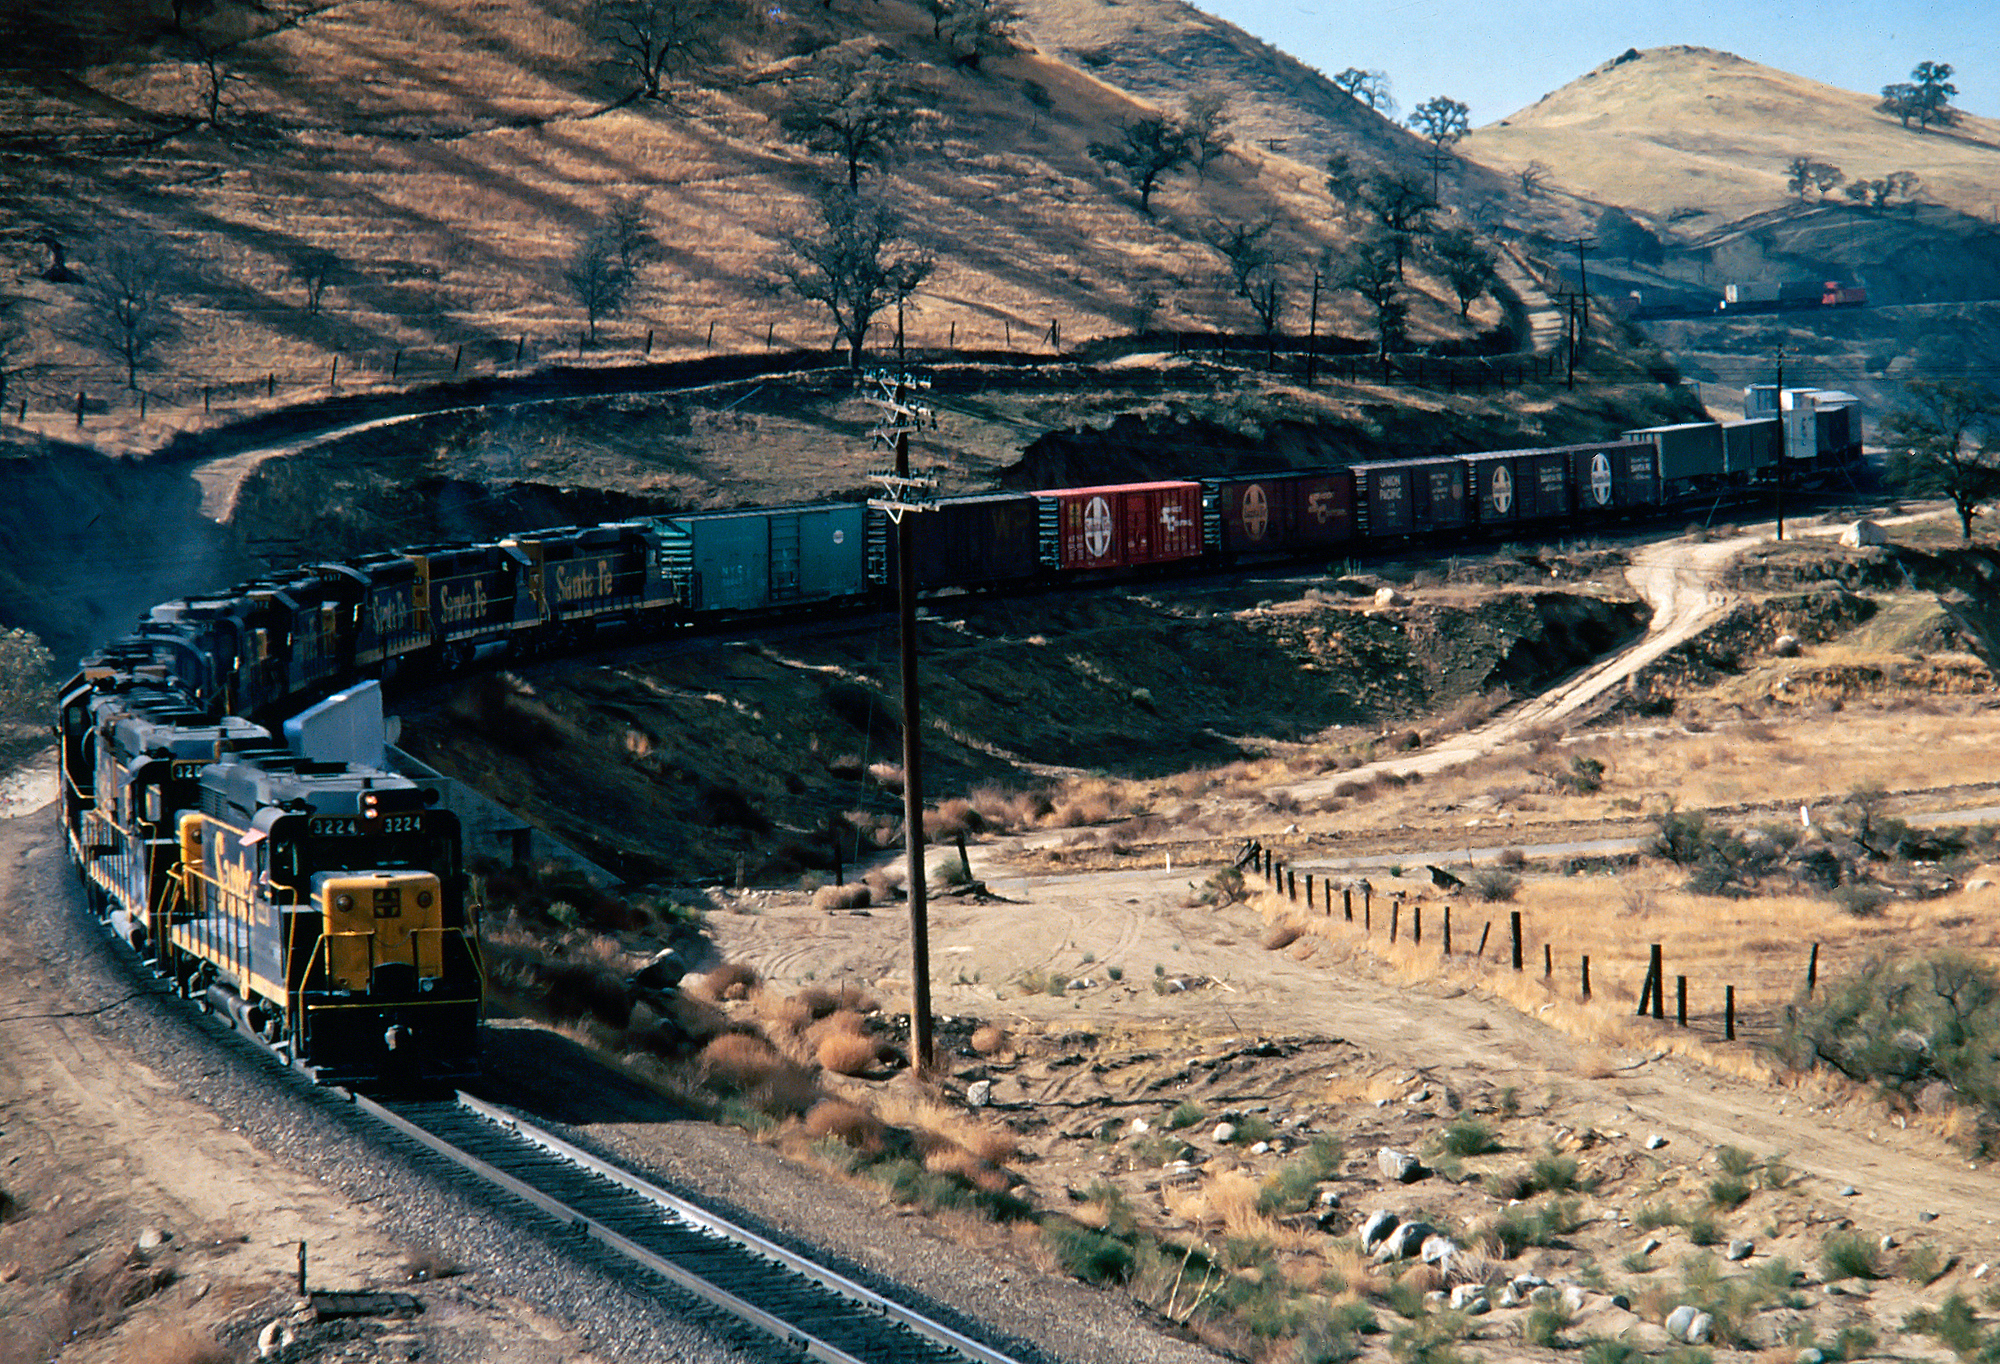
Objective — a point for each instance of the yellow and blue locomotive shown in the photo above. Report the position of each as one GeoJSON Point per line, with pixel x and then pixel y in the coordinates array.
{"type": "Point", "coordinates": [319, 905]}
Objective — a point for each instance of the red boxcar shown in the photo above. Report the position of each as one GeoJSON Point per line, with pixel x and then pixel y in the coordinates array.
{"type": "Point", "coordinates": [1120, 526]}
{"type": "Point", "coordinates": [1280, 513]}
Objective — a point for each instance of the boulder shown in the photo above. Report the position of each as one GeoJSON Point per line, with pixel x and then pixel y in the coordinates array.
{"type": "Point", "coordinates": [1785, 646]}
{"type": "Point", "coordinates": [1439, 1251]}
{"type": "Point", "coordinates": [979, 1093]}
{"type": "Point", "coordinates": [1679, 1320]}
{"type": "Point", "coordinates": [663, 971]}
{"type": "Point", "coordinates": [1700, 1328]}
{"type": "Point", "coordinates": [1740, 1250]}
{"type": "Point", "coordinates": [1470, 1298]}
{"type": "Point", "coordinates": [1225, 1132]}
{"type": "Point", "coordinates": [1405, 1241]}
{"type": "Point", "coordinates": [1399, 1167]}
{"type": "Point", "coordinates": [1389, 596]}
{"type": "Point", "coordinates": [152, 1238]}
{"type": "Point", "coordinates": [1655, 1142]}
{"type": "Point", "coordinates": [1376, 1227]}
{"type": "Point", "coordinates": [1863, 532]}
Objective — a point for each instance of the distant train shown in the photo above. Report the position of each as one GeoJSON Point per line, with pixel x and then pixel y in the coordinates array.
{"type": "Point", "coordinates": [1791, 296]}
{"type": "Point", "coordinates": [322, 904]}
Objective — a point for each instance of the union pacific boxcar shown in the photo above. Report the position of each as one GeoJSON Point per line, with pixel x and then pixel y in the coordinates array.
{"type": "Point", "coordinates": [1394, 498]}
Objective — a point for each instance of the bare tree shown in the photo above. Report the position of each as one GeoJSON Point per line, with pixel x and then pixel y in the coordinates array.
{"type": "Point", "coordinates": [315, 269]}
{"type": "Point", "coordinates": [974, 30]}
{"type": "Point", "coordinates": [1467, 264]}
{"type": "Point", "coordinates": [1369, 87]}
{"type": "Point", "coordinates": [1945, 440]}
{"type": "Point", "coordinates": [128, 299]}
{"type": "Point", "coordinates": [854, 110]}
{"type": "Point", "coordinates": [1148, 148]}
{"type": "Point", "coordinates": [1533, 178]}
{"type": "Point", "coordinates": [853, 258]}
{"type": "Point", "coordinates": [655, 40]}
{"type": "Point", "coordinates": [1205, 120]}
{"type": "Point", "coordinates": [1402, 207]}
{"type": "Point", "coordinates": [1253, 270]}
{"type": "Point", "coordinates": [597, 276]}
{"type": "Point", "coordinates": [1373, 269]}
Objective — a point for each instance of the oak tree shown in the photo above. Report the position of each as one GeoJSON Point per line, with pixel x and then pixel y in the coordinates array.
{"type": "Point", "coordinates": [1369, 87]}
{"type": "Point", "coordinates": [1469, 267]}
{"type": "Point", "coordinates": [1402, 207]}
{"type": "Point", "coordinates": [1147, 148]}
{"type": "Point", "coordinates": [854, 110]}
{"type": "Point", "coordinates": [853, 257]}
{"type": "Point", "coordinates": [128, 299]}
{"type": "Point", "coordinates": [1945, 441]}
{"type": "Point", "coordinates": [655, 40]}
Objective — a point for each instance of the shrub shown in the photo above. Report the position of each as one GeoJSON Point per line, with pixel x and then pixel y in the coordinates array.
{"type": "Point", "coordinates": [1082, 1253]}
{"type": "Point", "coordinates": [1847, 1256]}
{"type": "Point", "coordinates": [1546, 1323]}
{"type": "Point", "coordinates": [1290, 1187]}
{"type": "Point", "coordinates": [1468, 1136]}
{"type": "Point", "coordinates": [1734, 1160]}
{"type": "Point", "coordinates": [1951, 1323]}
{"type": "Point", "coordinates": [1681, 836]}
{"type": "Point", "coordinates": [1728, 1192]}
{"type": "Point", "coordinates": [846, 1053]}
{"type": "Point", "coordinates": [848, 1123]}
{"type": "Point", "coordinates": [1924, 1265]}
{"type": "Point", "coordinates": [1186, 1113]}
{"type": "Point", "coordinates": [1585, 776]}
{"type": "Point", "coordinates": [1554, 1172]}
{"type": "Point", "coordinates": [1653, 1216]}
{"type": "Point", "coordinates": [989, 1038]}
{"type": "Point", "coordinates": [1702, 1230]}
{"type": "Point", "coordinates": [1862, 899]}
{"type": "Point", "coordinates": [829, 899]}
{"type": "Point", "coordinates": [1511, 859]}
{"type": "Point", "coordinates": [1493, 885]}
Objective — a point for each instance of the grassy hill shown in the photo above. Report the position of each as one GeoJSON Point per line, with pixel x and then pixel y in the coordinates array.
{"type": "Point", "coordinates": [450, 154]}
{"type": "Point", "coordinates": [1697, 139]}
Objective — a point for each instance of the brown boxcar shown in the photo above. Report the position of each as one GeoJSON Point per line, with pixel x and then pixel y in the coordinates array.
{"type": "Point", "coordinates": [978, 541]}
{"type": "Point", "coordinates": [1510, 486]}
{"type": "Point", "coordinates": [1409, 496]}
{"type": "Point", "coordinates": [1614, 475]}
{"type": "Point", "coordinates": [1119, 526]}
{"type": "Point", "coordinates": [1279, 513]}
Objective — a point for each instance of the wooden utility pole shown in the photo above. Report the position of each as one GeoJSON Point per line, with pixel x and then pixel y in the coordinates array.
{"type": "Point", "coordinates": [1312, 335]}
{"type": "Point", "coordinates": [902, 499]}
{"type": "Point", "coordinates": [1784, 447]}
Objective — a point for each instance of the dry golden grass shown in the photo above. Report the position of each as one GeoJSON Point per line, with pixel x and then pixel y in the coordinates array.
{"type": "Point", "coordinates": [908, 1107]}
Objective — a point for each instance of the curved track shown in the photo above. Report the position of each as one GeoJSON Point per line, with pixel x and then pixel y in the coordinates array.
{"type": "Point", "coordinates": [823, 1314]}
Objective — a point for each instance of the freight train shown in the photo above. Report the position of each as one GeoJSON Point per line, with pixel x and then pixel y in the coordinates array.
{"type": "Point", "coordinates": [1792, 296]}
{"type": "Point", "coordinates": [321, 904]}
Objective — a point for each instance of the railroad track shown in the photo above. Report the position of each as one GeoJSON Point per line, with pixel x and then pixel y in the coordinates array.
{"type": "Point", "coordinates": [806, 1306]}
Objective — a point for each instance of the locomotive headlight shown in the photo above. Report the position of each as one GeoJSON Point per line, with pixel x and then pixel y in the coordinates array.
{"type": "Point", "coordinates": [423, 899]}
{"type": "Point", "coordinates": [343, 903]}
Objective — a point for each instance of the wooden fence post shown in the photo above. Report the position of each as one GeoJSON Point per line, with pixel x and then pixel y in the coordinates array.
{"type": "Point", "coordinates": [458, 357]}
{"type": "Point", "coordinates": [1292, 884]}
{"type": "Point", "coordinates": [1659, 986]}
{"type": "Point", "coordinates": [1812, 971]}
{"type": "Point", "coordinates": [1515, 921]}
{"type": "Point", "coordinates": [1681, 1000]}
{"type": "Point", "coordinates": [1548, 962]}
{"type": "Point", "coordinates": [1586, 975]}
{"type": "Point", "coordinates": [649, 342]}
{"type": "Point", "coordinates": [333, 374]}
{"type": "Point", "coordinates": [1729, 1013]}
{"type": "Point", "coordinates": [1346, 892]}
{"type": "Point", "coordinates": [1482, 938]}
{"type": "Point", "coordinates": [396, 365]}
{"type": "Point", "coordinates": [1309, 892]}
{"type": "Point", "coordinates": [1417, 924]}
{"type": "Point", "coordinates": [1395, 919]}
{"type": "Point", "coordinates": [1447, 930]}
{"type": "Point", "coordinates": [711, 335]}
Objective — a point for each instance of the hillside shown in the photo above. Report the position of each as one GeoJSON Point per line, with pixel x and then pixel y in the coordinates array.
{"type": "Point", "coordinates": [446, 158]}
{"type": "Point", "coordinates": [1698, 139]}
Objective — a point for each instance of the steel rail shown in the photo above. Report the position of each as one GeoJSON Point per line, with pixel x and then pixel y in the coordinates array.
{"type": "Point", "coordinates": [689, 1216]}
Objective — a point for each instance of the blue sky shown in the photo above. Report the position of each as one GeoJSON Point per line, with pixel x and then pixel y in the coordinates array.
{"type": "Point", "coordinates": [1502, 55]}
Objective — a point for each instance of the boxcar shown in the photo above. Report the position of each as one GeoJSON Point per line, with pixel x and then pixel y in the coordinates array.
{"type": "Point", "coordinates": [1508, 487]}
{"type": "Point", "coordinates": [1125, 525]}
{"type": "Point", "coordinates": [1690, 455]}
{"type": "Point", "coordinates": [774, 556]}
{"type": "Point", "coordinates": [1614, 476]}
{"type": "Point", "coordinates": [964, 542]}
{"type": "Point", "coordinates": [1279, 513]}
{"type": "Point", "coordinates": [1409, 496]}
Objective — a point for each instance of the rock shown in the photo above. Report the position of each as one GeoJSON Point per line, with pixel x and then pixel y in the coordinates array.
{"type": "Point", "coordinates": [1399, 1166]}
{"type": "Point", "coordinates": [1848, 1191]}
{"type": "Point", "coordinates": [1740, 1250]}
{"type": "Point", "coordinates": [1141, 1125]}
{"type": "Point", "coordinates": [662, 971]}
{"type": "Point", "coordinates": [1328, 1221]}
{"type": "Point", "coordinates": [1785, 646]}
{"type": "Point", "coordinates": [1329, 1198]}
{"type": "Point", "coordinates": [979, 1093]}
{"type": "Point", "coordinates": [1980, 1271]}
{"type": "Point", "coordinates": [1927, 1217]}
{"type": "Point", "coordinates": [1572, 1298]}
{"type": "Point", "coordinates": [1935, 1098]}
{"type": "Point", "coordinates": [1262, 1148]}
{"type": "Point", "coordinates": [1863, 532]}
{"type": "Point", "coordinates": [1652, 1244]}
{"type": "Point", "coordinates": [1811, 1356]}
{"type": "Point", "coordinates": [1655, 1142]}
{"type": "Point", "coordinates": [1698, 1330]}
{"type": "Point", "coordinates": [1520, 1289]}
{"type": "Point", "coordinates": [1375, 1227]}
{"type": "Point", "coordinates": [1405, 1241]}
{"type": "Point", "coordinates": [274, 1337]}
{"type": "Point", "coordinates": [1888, 1242]}
{"type": "Point", "coordinates": [1470, 1298]}
{"type": "Point", "coordinates": [1389, 596]}
{"type": "Point", "coordinates": [1679, 1320]}
{"type": "Point", "coordinates": [1979, 883]}
{"type": "Point", "coordinates": [1224, 1133]}
{"type": "Point", "coordinates": [1621, 1302]}
{"type": "Point", "coordinates": [1420, 1096]}
{"type": "Point", "coordinates": [152, 1238]}
{"type": "Point", "coordinates": [1439, 1251]}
